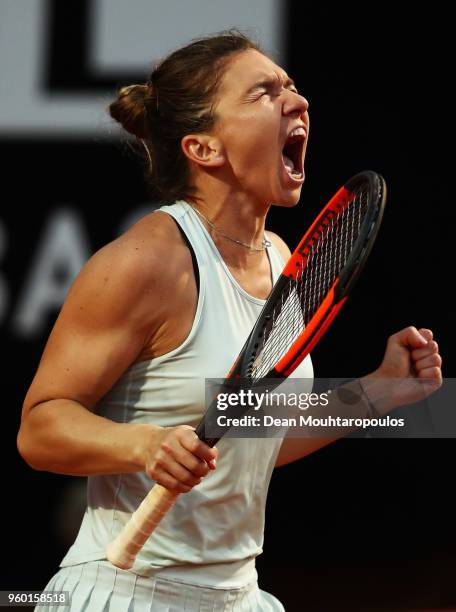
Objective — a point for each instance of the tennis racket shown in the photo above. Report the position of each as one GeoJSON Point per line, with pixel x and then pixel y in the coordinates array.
{"type": "Point", "coordinates": [309, 293]}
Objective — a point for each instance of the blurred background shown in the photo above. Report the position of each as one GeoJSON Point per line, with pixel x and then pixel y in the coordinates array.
{"type": "Point", "coordinates": [365, 524]}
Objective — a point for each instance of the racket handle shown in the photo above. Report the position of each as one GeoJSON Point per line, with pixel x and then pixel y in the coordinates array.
{"type": "Point", "coordinates": [143, 522]}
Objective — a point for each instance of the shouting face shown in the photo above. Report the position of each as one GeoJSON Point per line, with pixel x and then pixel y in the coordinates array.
{"type": "Point", "coordinates": [262, 124]}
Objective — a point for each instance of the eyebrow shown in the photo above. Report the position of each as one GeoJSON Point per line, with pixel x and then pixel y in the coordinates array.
{"type": "Point", "coordinates": [270, 80]}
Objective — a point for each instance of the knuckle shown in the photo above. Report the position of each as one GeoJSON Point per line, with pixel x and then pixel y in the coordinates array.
{"type": "Point", "coordinates": [166, 447]}
{"type": "Point", "coordinates": [196, 445]}
{"type": "Point", "coordinates": [190, 438]}
{"type": "Point", "coordinates": [174, 433]}
{"type": "Point", "coordinates": [159, 462]}
{"type": "Point", "coordinates": [186, 430]}
{"type": "Point", "coordinates": [407, 331]}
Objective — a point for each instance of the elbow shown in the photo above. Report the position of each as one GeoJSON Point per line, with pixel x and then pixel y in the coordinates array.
{"type": "Point", "coordinates": [27, 448]}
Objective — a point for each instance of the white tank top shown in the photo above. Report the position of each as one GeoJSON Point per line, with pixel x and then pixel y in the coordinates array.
{"type": "Point", "coordinates": [212, 534]}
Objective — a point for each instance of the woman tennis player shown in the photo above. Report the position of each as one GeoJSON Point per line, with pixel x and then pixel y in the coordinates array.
{"type": "Point", "coordinates": [120, 386]}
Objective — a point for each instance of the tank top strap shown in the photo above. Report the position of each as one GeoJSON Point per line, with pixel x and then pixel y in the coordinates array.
{"type": "Point", "coordinates": [183, 214]}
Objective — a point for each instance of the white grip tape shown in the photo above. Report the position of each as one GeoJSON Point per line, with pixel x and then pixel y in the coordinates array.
{"type": "Point", "coordinates": [123, 550]}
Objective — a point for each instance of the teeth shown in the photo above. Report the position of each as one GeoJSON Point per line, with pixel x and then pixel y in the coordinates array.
{"type": "Point", "coordinates": [298, 132]}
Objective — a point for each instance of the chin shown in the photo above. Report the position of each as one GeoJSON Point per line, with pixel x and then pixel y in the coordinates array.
{"type": "Point", "coordinates": [290, 199]}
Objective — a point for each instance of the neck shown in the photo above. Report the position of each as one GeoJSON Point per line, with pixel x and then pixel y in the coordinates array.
{"type": "Point", "coordinates": [238, 217]}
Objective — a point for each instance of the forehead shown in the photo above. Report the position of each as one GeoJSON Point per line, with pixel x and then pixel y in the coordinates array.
{"type": "Point", "coordinates": [245, 69]}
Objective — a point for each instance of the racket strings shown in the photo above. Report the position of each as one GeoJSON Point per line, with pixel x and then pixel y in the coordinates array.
{"type": "Point", "coordinates": [303, 295]}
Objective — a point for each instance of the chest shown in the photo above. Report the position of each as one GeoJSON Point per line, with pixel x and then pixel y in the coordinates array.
{"type": "Point", "coordinates": [256, 282]}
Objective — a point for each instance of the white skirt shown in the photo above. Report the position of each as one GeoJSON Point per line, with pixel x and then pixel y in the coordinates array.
{"type": "Point", "coordinates": [98, 586]}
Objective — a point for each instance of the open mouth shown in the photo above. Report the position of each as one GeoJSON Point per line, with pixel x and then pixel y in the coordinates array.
{"type": "Point", "coordinates": [292, 154]}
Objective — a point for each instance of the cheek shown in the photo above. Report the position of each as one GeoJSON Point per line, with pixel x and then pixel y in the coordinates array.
{"type": "Point", "coordinates": [258, 152]}
{"type": "Point", "coordinates": [252, 137]}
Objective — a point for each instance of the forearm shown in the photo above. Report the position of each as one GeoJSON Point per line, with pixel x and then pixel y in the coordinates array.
{"type": "Point", "coordinates": [410, 372]}
{"type": "Point", "coordinates": [62, 436]}
{"type": "Point", "coordinates": [347, 402]}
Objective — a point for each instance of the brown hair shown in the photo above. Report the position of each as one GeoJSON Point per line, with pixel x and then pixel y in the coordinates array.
{"type": "Point", "coordinates": [175, 101]}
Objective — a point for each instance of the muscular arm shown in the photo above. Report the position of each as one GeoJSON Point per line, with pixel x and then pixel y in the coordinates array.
{"type": "Point", "coordinates": [114, 308]}
{"type": "Point", "coordinates": [410, 372]}
{"type": "Point", "coordinates": [348, 402]}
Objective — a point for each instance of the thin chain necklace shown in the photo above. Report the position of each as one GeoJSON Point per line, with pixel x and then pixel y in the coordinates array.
{"type": "Point", "coordinates": [264, 243]}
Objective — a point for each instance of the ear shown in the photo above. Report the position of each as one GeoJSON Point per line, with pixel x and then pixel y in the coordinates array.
{"type": "Point", "coordinates": [203, 150]}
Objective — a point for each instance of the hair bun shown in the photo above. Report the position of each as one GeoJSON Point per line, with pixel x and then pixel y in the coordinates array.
{"type": "Point", "coordinates": [130, 109]}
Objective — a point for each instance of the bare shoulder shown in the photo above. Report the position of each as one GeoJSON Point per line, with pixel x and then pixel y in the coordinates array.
{"type": "Point", "coordinates": [143, 248]}
{"type": "Point", "coordinates": [132, 265]}
{"type": "Point", "coordinates": [119, 300]}
{"type": "Point", "coordinates": [128, 284]}
{"type": "Point", "coordinates": [280, 245]}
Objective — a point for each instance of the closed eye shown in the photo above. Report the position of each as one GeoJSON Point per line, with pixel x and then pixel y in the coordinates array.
{"type": "Point", "coordinates": [269, 87]}
{"type": "Point", "coordinates": [275, 92]}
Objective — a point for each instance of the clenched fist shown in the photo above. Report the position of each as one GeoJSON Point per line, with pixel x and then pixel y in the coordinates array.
{"type": "Point", "coordinates": [410, 370]}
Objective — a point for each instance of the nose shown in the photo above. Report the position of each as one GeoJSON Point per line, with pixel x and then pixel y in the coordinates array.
{"type": "Point", "coordinates": [295, 103]}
